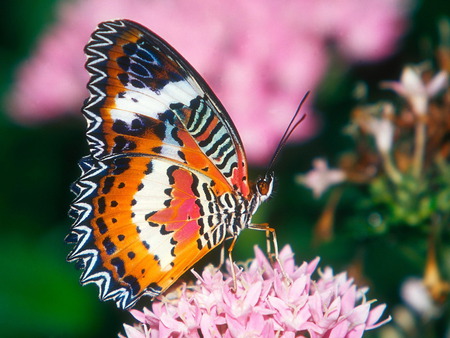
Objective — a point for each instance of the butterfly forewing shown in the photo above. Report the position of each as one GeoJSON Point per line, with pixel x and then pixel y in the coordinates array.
{"type": "Point", "coordinates": [146, 99]}
{"type": "Point", "coordinates": [164, 154]}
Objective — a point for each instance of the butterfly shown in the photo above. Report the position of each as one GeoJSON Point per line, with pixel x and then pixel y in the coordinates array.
{"type": "Point", "coordinates": [165, 181]}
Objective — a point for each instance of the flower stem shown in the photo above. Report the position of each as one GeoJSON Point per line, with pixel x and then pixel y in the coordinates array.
{"type": "Point", "coordinates": [391, 171]}
{"type": "Point", "coordinates": [419, 148]}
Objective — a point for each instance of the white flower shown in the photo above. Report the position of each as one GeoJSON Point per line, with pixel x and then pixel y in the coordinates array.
{"type": "Point", "coordinates": [416, 296]}
{"type": "Point", "coordinates": [321, 177]}
{"type": "Point", "coordinates": [415, 91]}
{"type": "Point", "coordinates": [382, 129]}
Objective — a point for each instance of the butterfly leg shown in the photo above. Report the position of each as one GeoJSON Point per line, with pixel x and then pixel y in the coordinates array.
{"type": "Point", "coordinates": [271, 237]}
{"type": "Point", "coordinates": [222, 255]}
{"type": "Point", "coordinates": [230, 257]}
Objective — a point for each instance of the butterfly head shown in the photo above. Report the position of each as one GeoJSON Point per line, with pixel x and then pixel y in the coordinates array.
{"type": "Point", "coordinates": [264, 186]}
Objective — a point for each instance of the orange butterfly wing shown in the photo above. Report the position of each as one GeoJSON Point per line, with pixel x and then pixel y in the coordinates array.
{"type": "Point", "coordinates": [166, 177]}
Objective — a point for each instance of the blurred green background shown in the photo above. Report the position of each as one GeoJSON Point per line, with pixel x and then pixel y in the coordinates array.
{"type": "Point", "coordinates": [39, 292]}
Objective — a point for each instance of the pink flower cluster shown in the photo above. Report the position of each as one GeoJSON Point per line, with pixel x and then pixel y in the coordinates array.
{"type": "Point", "coordinates": [265, 304]}
{"type": "Point", "coordinates": [260, 62]}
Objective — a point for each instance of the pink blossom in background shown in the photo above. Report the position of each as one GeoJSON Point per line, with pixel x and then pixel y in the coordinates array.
{"type": "Point", "coordinates": [265, 304]}
{"type": "Point", "coordinates": [321, 178]}
{"type": "Point", "coordinates": [259, 57]}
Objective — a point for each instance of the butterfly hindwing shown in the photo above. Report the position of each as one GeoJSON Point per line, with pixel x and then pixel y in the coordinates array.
{"type": "Point", "coordinates": [148, 222]}
{"type": "Point", "coordinates": [165, 163]}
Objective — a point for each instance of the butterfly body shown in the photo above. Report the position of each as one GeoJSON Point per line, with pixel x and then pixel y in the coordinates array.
{"type": "Point", "coordinates": [166, 177]}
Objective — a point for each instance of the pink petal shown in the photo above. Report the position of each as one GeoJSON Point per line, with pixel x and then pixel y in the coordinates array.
{"type": "Point", "coordinates": [235, 326]}
{"type": "Point", "coordinates": [438, 83]}
{"type": "Point", "coordinates": [256, 324]}
{"type": "Point", "coordinates": [340, 330]}
{"type": "Point", "coordinates": [315, 306]}
{"type": "Point", "coordinates": [208, 326]}
{"type": "Point", "coordinates": [374, 316]}
{"type": "Point", "coordinates": [356, 332]}
{"type": "Point", "coordinates": [172, 324]}
{"type": "Point", "coordinates": [279, 305]}
{"type": "Point", "coordinates": [140, 316]}
{"type": "Point", "coordinates": [132, 332]}
{"type": "Point", "coordinates": [359, 314]}
{"type": "Point", "coordinates": [348, 300]}
{"type": "Point", "coordinates": [334, 310]}
{"type": "Point", "coordinates": [301, 320]}
{"type": "Point", "coordinates": [253, 294]}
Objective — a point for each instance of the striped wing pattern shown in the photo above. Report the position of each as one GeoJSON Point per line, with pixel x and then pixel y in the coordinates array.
{"type": "Point", "coordinates": [166, 176]}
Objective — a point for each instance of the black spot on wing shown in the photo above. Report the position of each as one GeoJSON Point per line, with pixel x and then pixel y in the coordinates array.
{"type": "Point", "coordinates": [150, 214]}
{"type": "Point", "coordinates": [199, 244]}
{"type": "Point", "coordinates": [157, 150]}
{"type": "Point", "coordinates": [202, 226]}
{"type": "Point", "coordinates": [194, 185]}
{"type": "Point", "coordinates": [163, 230]}
{"type": "Point", "coordinates": [121, 144]}
{"type": "Point", "coordinates": [102, 227]}
{"type": "Point", "coordinates": [109, 246]}
{"type": "Point", "coordinates": [175, 136]}
{"type": "Point", "coordinates": [108, 183]}
{"type": "Point", "coordinates": [207, 192]}
{"type": "Point", "coordinates": [149, 169]}
{"type": "Point", "coordinates": [101, 203]}
{"type": "Point", "coordinates": [121, 165]}
{"type": "Point", "coordinates": [124, 63]}
{"type": "Point", "coordinates": [119, 265]}
{"type": "Point", "coordinates": [124, 79]}
{"type": "Point", "coordinates": [145, 53]}
{"type": "Point", "coordinates": [137, 83]}
{"type": "Point", "coordinates": [182, 156]}
{"type": "Point", "coordinates": [135, 128]}
{"type": "Point", "coordinates": [170, 172]}
{"type": "Point", "coordinates": [130, 48]}
{"type": "Point", "coordinates": [139, 70]}
{"type": "Point", "coordinates": [133, 283]}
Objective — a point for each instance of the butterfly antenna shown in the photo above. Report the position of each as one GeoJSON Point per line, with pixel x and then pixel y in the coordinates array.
{"type": "Point", "coordinates": [293, 124]}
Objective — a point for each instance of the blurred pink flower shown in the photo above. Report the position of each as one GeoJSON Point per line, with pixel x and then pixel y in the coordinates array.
{"type": "Point", "coordinates": [265, 304]}
{"type": "Point", "coordinates": [321, 177]}
{"type": "Point", "coordinates": [259, 62]}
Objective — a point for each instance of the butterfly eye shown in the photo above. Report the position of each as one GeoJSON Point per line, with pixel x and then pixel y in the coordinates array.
{"type": "Point", "coordinates": [264, 186]}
